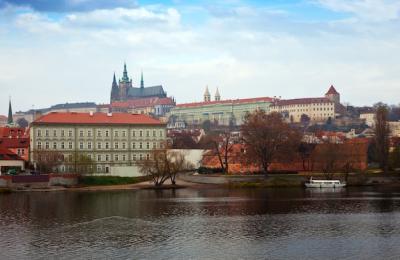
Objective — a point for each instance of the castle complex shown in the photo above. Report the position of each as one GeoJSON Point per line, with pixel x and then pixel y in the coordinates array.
{"type": "Point", "coordinates": [124, 90]}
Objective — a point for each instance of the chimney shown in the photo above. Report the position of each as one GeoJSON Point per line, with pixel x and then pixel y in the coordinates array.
{"type": "Point", "coordinates": [91, 113]}
{"type": "Point", "coordinates": [109, 114]}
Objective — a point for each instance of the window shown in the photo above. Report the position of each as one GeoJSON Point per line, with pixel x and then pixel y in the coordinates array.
{"type": "Point", "coordinates": [39, 133]}
{"type": "Point", "coordinates": [46, 145]}
{"type": "Point", "coordinates": [39, 145]}
{"type": "Point", "coordinates": [147, 133]}
{"type": "Point", "coordinates": [154, 133]}
{"type": "Point", "coordinates": [154, 145]}
{"type": "Point", "coordinates": [133, 145]}
{"type": "Point", "coordinates": [133, 157]}
{"type": "Point", "coordinates": [55, 146]}
{"type": "Point", "coordinates": [116, 134]}
{"type": "Point", "coordinates": [81, 133]}
{"type": "Point", "coordinates": [116, 157]}
{"type": "Point", "coordinates": [81, 145]}
{"type": "Point", "coordinates": [148, 145]}
{"type": "Point", "coordinates": [62, 133]}
{"type": "Point", "coordinates": [140, 157]}
{"type": "Point", "coordinates": [123, 145]}
{"type": "Point", "coordinates": [140, 145]}
{"type": "Point", "coordinates": [62, 145]}
{"type": "Point", "coordinates": [107, 133]}
{"type": "Point", "coordinates": [70, 145]}
{"type": "Point", "coordinates": [98, 133]}
{"type": "Point", "coordinates": [98, 168]}
{"type": "Point", "coordinates": [133, 133]}
{"type": "Point", "coordinates": [161, 133]}
{"type": "Point", "coordinates": [107, 157]}
{"type": "Point", "coordinates": [89, 145]}
{"type": "Point", "coordinates": [123, 157]}
{"type": "Point", "coordinates": [54, 133]}
{"type": "Point", "coordinates": [89, 133]}
{"type": "Point", "coordinates": [98, 145]}
{"type": "Point", "coordinates": [116, 145]}
{"type": "Point", "coordinates": [107, 145]}
{"type": "Point", "coordinates": [23, 151]}
{"type": "Point", "coordinates": [140, 133]}
{"type": "Point", "coordinates": [99, 157]}
{"type": "Point", "coordinates": [123, 133]}
{"type": "Point", "coordinates": [47, 133]}
{"type": "Point", "coordinates": [70, 133]}
{"type": "Point", "coordinates": [147, 156]}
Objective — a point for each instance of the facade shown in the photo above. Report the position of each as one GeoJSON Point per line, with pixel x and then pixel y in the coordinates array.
{"type": "Point", "coordinates": [16, 140]}
{"type": "Point", "coordinates": [9, 160]}
{"type": "Point", "coordinates": [3, 120]}
{"type": "Point", "coordinates": [108, 140]}
{"type": "Point", "coordinates": [314, 109]}
{"type": "Point", "coordinates": [124, 90]}
{"type": "Point", "coordinates": [151, 106]}
{"type": "Point", "coordinates": [369, 118]}
{"type": "Point", "coordinates": [220, 112]}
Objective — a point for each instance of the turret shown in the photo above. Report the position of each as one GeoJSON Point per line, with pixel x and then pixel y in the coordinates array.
{"type": "Point", "coordinates": [10, 120]}
{"type": "Point", "coordinates": [217, 95]}
{"type": "Point", "coordinates": [114, 90]}
{"type": "Point", "coordinates": [333, 95]}
{"type": "Point", "coordinates": [207, 96]}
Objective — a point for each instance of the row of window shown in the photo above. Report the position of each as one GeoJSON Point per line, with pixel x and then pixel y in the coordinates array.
{"type": "Point", "coordinates": [89, 145]}
{"type": "Point", "coordinates": [107, 133]}
{"type": "Point", "coordinates": [108, 157]}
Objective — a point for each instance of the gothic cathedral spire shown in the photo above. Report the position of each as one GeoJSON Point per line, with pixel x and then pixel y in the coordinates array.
{"type": "Point", "coordinates": [141, 81]}
{"type": "Point", "coordinates": [10, 120]}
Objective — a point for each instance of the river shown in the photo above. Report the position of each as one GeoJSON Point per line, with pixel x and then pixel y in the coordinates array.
{"type": "Point", "coordinates": [353, 223]}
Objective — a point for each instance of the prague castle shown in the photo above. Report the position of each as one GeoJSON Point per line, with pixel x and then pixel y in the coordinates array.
{"type": "Point", "coordinates": [124, 90]}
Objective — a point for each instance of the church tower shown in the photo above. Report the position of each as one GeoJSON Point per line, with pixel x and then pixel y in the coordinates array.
{"type": "Point", "coordinates": [217, 95]}
{"type": "Point", "coordinates": [124, 85]}
{"type": "Point", "coordinates": [207, 96]}
{"type": "Point", "coordinates": [10, 120]}
{"type": "Point", "coordinates": [141, 81]}
{"type": "Point", "coordinates": [114, 90]}
{"type": "Point", "coordinates": [333, 95]}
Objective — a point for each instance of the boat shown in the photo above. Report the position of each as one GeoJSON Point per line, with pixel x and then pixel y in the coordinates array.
{"type": "Point", "coordinates": [324, 183]}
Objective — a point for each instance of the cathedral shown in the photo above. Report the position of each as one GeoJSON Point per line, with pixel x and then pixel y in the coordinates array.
{"type": "Point", "coordinates": [124, 91]}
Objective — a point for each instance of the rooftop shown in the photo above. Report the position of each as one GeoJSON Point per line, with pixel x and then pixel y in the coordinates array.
{"type": "Point", "coordinates": [332, 91]}
{"type": "Point", "coordinates": [228, 101]}
{"type": "Point", "coordinates": [97, 118]}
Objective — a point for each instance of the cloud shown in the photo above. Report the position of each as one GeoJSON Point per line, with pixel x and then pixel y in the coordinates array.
{"type": "Point", "coordinates": [372, 10]}
{"type": "Point", "coordinates": [63, 6]}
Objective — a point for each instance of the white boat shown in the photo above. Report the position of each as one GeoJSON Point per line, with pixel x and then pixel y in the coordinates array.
{"type": "Point", "coordinates": [325, 184]}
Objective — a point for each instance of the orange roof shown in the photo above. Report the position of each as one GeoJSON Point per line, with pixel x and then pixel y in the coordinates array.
{"type": "Point", "coordinates": [331, 91]}
{"type": "Point", "coordinates": [97, 118]}
{"type": "Point", "coordinates": [228, 101]}
{"type": "Point", "coordinates": [13, 132]}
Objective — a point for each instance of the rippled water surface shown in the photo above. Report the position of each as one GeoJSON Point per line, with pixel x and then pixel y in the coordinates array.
{"type": "Point", "coordinates": [202, 224]}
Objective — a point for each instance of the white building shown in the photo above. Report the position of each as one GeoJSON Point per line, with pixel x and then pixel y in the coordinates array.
{"type": "Point", "coordinates": [108, 140]}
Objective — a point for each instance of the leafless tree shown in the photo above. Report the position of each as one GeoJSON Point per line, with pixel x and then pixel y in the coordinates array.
{"type": "Point", "coordinates": [47, 161]}
{"type": "Point", "coordinates": [267, 138]}
{"type": "Point", "coordinates": [382, 132]}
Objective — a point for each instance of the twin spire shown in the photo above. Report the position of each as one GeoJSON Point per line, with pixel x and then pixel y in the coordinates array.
{"type": "Point", "coordinates": [125, 78]}
{"type": "Point", "coordinates": [207, 95]}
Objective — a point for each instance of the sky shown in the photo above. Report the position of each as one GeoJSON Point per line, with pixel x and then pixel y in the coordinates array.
{"type": "Point", "coordinates": [67, 51]}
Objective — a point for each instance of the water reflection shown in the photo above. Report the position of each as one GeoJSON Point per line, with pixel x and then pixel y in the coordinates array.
{"type": "Point", "coordinates": [209, 223]}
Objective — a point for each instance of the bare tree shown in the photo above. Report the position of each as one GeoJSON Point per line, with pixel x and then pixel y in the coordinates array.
{"type": "Point", "coordinates": [381, 139]}
{"type": "Point", "coordinates": [267, 137]}
{"type": "Point", "coordinates": [47, 161]}
{"type": "Point", "coordinates": [328, 157]}
{"type": "Point", "coordinates": [221, 146]}
{"type": "Point", "coordinates": [162, 165]}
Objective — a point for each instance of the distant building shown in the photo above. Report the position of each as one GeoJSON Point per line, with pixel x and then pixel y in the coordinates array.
{"type": "Point", "coordinates": [124, 89]}
{"type": "Point", "coordinates": [219, 112]}
{"type": "Point", "coordinates": [3, 120]}
{"type": "Point", "coordinates": [151, 106]}
{"type": "Point", "coordinates": [9, 160]}
{"type": "Point", "coordinates": [109, 140]}
{"type": "Point", "coordinates": [313, 109]}
{"type": "Point", "coordinates": [369, 118]}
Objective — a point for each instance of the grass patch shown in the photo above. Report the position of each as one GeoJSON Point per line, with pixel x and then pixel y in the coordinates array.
{"type": "Point", "coordinates": [110, 180]}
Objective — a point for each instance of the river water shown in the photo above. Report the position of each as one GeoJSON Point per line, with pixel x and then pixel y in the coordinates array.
{"type": "Point", "coordinates": [353, 223]}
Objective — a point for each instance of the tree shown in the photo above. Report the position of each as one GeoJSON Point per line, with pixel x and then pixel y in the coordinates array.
{"type": "Point", "coordinates": [327, 156]}
{"type": "Point", "coordinates": [83, 163]}
{"type": "Point", "coordinates": [221, 146]}
{"type": "Point", "coordinates": [305, 120]}
{"type": "Point", "coordinates": [381, 139]}
{"type": "Point", "coordinates": [305, 152]}
{"type": "Point", "coordinates": [47, 161]}
{"type": "Point", "coordinates": [267, 137]}
{"type": "Point", "coordinates": [162, 165]}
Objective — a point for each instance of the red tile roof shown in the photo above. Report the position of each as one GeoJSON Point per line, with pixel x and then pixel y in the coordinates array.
{"type": "Point", "coordinates": [9, 143]}
{"type": "Point", "coordinates": [332, 91]}
{"type": "Point", "coordinates": [228, 101]}
{"type": "Point", "coordinates": [286, 102]}
{"type": "Point", "coordinates": [13, 132]}
{"type": "Point", "coordinates": [3, 117]}
{"type": "Point", "coordinates": [97, 118]}
{"type": "Point", "coordinates": [7, 155]}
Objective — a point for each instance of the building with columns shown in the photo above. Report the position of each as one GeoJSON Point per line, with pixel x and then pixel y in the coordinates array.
{"type": "Point", "coordinates": [108, 140]}
{"type": "Point", "coordinates": [217, 111]}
